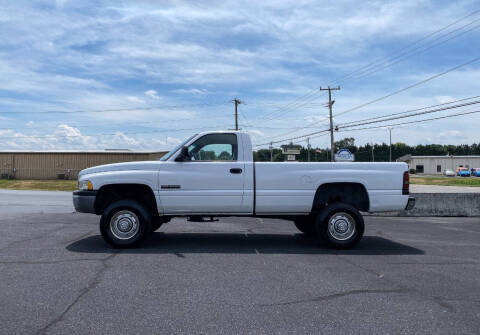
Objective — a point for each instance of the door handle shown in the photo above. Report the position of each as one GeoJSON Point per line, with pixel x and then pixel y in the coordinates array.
{"type": "Point", "coordinates": [236, 170]}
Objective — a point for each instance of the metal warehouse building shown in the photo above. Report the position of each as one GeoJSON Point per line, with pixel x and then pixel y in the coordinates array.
{"type": "Point", "coordinates": [63, 164]}
{"type": "Point", "coordinates": [438, 164]}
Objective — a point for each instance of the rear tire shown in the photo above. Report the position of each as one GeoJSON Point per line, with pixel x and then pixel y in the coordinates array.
{"type": "Point", "coordinates": [125, 224]}
{"type": "Point", "coordinates": [306, 224]}
{"type": "Point", "coordinates": [340, 226]}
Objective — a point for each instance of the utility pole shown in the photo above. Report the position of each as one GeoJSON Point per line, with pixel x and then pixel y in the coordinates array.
{"type": "Point", "coordinates": [308, 148]}
{"type": "Point", "coordinates": [390, 129]}
{"type": "Point", "coordinates": [373, 155]}
{"type": "Point", "coordinates": [330, 103]}
{"type": "Point", "coordinates": [271, 152]}
{"type": "Point", "coordinates": [236, 102]}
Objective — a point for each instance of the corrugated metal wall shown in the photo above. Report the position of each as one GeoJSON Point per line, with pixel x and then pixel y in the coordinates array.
{"type": "Point", "coordinates": [451, 163]}
{"type": "Point", "coordinates": [54, 165]}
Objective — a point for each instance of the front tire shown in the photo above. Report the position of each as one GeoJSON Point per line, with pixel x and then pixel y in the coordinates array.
{"type": "Point", "coordinates": [125, 224]}
{"type": "Point", "coordinates": [340, 226]}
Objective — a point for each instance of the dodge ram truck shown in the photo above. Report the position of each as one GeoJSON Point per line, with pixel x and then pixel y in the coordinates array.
{"type": "Point", "coordinates": [214, 174]}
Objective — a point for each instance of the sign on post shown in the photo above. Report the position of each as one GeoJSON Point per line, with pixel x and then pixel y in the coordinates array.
{"type": "Point", "coordinates": [344, 155]}
{"type": "Point", "coordinates": [290, 153]}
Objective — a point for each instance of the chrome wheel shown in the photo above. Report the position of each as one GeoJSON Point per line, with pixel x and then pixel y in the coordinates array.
{"type": "Point", "coordinates": [124, 224]}
{"type": "Point", "coordinates": [341, 226]}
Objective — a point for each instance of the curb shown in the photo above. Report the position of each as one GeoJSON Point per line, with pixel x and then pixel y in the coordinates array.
{"type": "Point", "coordinates": [441, 204]}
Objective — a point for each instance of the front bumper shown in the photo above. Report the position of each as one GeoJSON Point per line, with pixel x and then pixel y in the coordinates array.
{"type": "Point", "coordinates": [410, 204]}
{"type": "Point", "coordinates": [84, 201]}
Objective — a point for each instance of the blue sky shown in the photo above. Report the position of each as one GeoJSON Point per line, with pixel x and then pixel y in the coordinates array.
{"type": "Point", "coordinates": [167, 69]}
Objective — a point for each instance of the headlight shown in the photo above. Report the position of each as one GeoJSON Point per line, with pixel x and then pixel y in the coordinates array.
{"type": "Point", "coordinates": [85, 185]}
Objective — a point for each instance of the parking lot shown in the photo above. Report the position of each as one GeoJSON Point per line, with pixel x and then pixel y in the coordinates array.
{"type": "Point", "coordinates": [234, 276]}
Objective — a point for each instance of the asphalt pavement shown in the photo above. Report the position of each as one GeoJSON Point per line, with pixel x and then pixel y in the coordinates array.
{"type": "Point", "coordinates": [233, 276]}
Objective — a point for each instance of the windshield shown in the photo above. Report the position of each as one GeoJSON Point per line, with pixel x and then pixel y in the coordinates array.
{"type": "Point", "coordinates": [174, 150]}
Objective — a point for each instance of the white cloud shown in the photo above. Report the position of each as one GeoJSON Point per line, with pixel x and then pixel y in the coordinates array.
{"type": "Point", "coordinates": [450, 136]}
{"type": "Point", "coordinates": [91, 56]}
{"type": "Point", "coordinates": [444, 99]}
{"type": "Point", "coordinates": [320, 119]}
{"type": "Point", "coordinates": [255, 132]}
{"type": "Point", "coordinates": [152, 94]}
{"type": "Point", "coordinates": [135, 100]}
{"type": "Point", "coordinates": [65, 137]}
{"type": "Point", "coordinates": [192, 91]}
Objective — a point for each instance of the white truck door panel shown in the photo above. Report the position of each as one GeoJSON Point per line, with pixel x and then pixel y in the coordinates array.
{"type": "Point", "coordinates": [201, 187]}
{"type": "Point", "coordinates": [210, 180]}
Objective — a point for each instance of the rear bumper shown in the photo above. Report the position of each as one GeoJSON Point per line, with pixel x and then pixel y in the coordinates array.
{"type": "Point", "coordinates": [410, 203]}
{"type": "Point", "coordinates": [84, 201]}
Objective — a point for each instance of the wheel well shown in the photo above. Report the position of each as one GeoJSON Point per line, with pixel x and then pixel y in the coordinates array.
{"type": "Point", "coordinates": [353, 194]}
{"type": "Point", "coordinates": [108, 194]}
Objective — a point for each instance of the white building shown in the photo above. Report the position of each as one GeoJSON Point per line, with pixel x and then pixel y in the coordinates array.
{"type": "Point", "coordinates": [438, 164]}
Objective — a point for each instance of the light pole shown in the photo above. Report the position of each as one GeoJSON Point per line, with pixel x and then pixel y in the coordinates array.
{"type": "Point", "coordinates": [308, 148]}
{"type": "Point", "coordinates": [390, 130]}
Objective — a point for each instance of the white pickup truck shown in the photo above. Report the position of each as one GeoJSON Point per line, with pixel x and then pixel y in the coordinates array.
{"type": "Point", "coordinates": [213, 174]}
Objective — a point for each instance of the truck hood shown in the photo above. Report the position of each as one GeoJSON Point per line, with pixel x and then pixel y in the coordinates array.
{"type": "Point", "coordinates": [128, 166]}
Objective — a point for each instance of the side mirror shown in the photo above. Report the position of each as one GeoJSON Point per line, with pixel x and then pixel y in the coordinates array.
{"type": "Point", "coordinates": [183, 156]}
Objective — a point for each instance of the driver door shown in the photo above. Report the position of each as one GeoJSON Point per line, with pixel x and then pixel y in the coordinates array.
{"type": "Point", "coordinates": [211, 181]}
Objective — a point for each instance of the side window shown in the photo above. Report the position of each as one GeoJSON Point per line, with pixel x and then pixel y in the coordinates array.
{"type": "Point", "coordinates": [214, 147]}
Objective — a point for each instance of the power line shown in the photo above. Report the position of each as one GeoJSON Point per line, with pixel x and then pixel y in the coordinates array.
{"type": "Point", "coordinates": [409, 87]}
{"type": "Point", "coordinates": [406, 47]}
{"type": "Point", "coordinates": [368, 121]}
{"type": "Point", "coordinates": [310, 125]}
{"type": "Point", "coordinates": [303, 100]}
{"type": "Point", "coordinates": [400, 58]}
{"type": "Point", "coordinates": [395, 92]}
{"type": "Point", "coordinates": [401, 53]}
{"type": "Point", "coordinates": [296, 142]}
{"type": "Point", "coordinates": [409, 115]}
{"type": "Point", "coordinates": [325, 132]}
{"type": "Point", "coordinates": [297, 100]}
{"type": "Point", "coordinates": [295, 129]}
{"type": "Point", "coordinates": [115, 109]}
{"type": "Point", "coordinates": [294, 138]}
{"type": "Point", "coordinates": [299, 128]}
{"type": "Point", "coordinates": [371, 66]}
{"type": "Point", "coordinates": [411, 122]}
{"type": "Point", "coordinates": [245, 118]}
{"type": "Point", "coordinates": [411, 110]}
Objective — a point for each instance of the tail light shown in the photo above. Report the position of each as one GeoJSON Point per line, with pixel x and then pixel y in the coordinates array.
{"type": "Point", "coordinates": [406, 183]}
